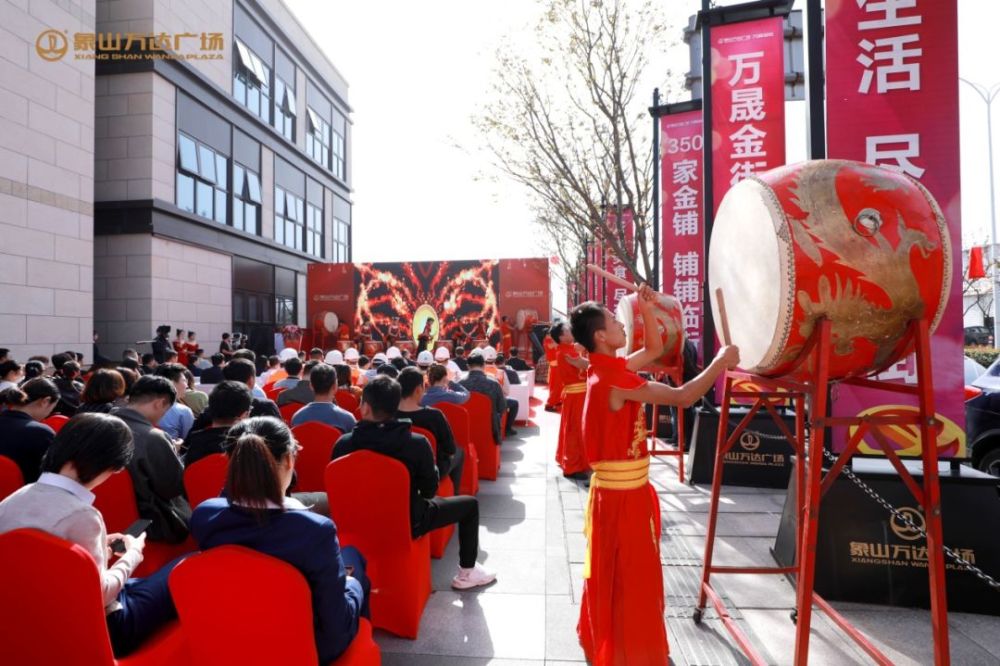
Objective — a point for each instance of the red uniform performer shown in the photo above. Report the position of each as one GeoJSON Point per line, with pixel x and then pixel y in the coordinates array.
{"type": "Point", "coordinates": [343, 331]}
{"type": "Point", "coordinates": [506, 336]}
{"type": "Point", "coordinates": [555, 381]}
{"type": "Point", "coordinates": [621, 616]}
{"type": "Point", "coordinates": [570, 454]}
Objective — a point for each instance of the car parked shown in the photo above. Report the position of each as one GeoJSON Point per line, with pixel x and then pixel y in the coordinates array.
{"type": "Point", "coordinates": [978, 335]}
{"type": "Point", "coordinates": [982, 417]}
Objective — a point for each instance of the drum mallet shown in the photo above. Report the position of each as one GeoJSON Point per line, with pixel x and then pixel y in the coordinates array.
{"type": "Point", "coordinates": [723, 319]}
{"type": "Point", "coordinates": [611, 277]}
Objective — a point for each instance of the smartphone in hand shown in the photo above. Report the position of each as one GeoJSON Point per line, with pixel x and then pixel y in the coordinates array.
{"type": "Point", "coordinates": [134, 530]}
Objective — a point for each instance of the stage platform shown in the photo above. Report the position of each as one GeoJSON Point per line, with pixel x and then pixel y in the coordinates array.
{"type": "Point", "coordinates": [531, 533]}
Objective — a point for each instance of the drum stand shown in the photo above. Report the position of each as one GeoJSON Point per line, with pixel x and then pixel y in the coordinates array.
{"type": "Point", "coordinates": [810, 484]}
{"type": "Point", "coordinates": [676, 376]}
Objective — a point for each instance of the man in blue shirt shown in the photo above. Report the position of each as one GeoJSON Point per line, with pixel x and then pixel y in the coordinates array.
{"type": "Point", "coordinates": [323, 408]}
{"type": "Point", "coordinates": [440, 389]}
{"type": "Point", "coordinates": [179, 418]}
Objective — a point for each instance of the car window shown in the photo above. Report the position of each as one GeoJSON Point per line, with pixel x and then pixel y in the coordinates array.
{"type": "Point", "coordinates": [990, 379]}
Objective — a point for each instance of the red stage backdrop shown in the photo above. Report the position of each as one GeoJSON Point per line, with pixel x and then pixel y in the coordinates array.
{"type": "Point", "coordinates": [748, 101]}
{"type": "Point", "coordinates": [451, 294]}
{"type": "Point", "coordinates": [683, 221]}
{"type": "Point", "coordinates": [892, 100]}
{"type": "Point", "coordinates": [614, 293]}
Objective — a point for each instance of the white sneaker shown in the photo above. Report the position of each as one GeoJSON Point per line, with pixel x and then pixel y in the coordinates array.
{"type": "Point", "coordinates": [477, 576]}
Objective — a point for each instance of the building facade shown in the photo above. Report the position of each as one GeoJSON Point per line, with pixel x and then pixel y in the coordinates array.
{"type": "Point", "coordinates": [46, 180]}
{"type": "Point", "coordinates": [191, 169]}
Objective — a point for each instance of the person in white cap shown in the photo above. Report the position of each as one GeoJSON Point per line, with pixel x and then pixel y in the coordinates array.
{"type": "Point", "coordinates": [378, 361]}
{"type": "Point", "coordinates": [391, 353]}
{"type": "Point", "coordinates": [443, 356]}
{"type": "Point", "coordinates": [351, 357]}
{"type": "Point", "coordinates": [334, 357]}
{"type": "Point", "coordinates": [490, 356]}
{"type": "Point", "coordinates": [425, 360]}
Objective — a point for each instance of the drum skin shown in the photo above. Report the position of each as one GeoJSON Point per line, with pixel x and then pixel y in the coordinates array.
{"type": "Point", "coordinates": [669, 322]}
{"type": "Point", "coordinates": [525, 318]}
{"type": "Point", "coordinates": [326, 321]}
{"type": "Point", "coordinates": [863, 246]}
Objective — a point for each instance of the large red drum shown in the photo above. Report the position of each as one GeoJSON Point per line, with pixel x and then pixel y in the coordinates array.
{"type": "Point", "coordinates": [669, 322]}
{"type": "Point", "coordinates": [863, 246]}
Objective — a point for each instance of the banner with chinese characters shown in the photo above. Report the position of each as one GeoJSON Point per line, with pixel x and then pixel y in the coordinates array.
{"type": "Point", "coordinates": [748, 101]}
{"type": "Point", "coordinates": [683, 217]}
{"type": "Point", "coordinates": [892, 100]}
{"type": "Point", "coordinates": [613, 293]}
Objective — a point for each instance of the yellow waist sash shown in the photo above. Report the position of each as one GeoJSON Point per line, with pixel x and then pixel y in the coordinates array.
{"type": "Point", "coordinates": [579, 387]}
{"type": "Point", "coordinates": [611, 475]}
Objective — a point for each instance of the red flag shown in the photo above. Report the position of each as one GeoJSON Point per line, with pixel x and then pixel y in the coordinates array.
{"type": "Point", "coordinates": [976, 269]}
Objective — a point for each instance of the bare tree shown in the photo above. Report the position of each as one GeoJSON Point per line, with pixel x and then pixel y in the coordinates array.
{"type": "Point", "coordinates": [568, 120]}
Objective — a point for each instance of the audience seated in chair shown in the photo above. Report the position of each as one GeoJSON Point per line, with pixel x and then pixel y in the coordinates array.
{"type": "Point", "coordinates": [450, 458]}
{"type": "Point", "coordinates": [256, 514]}
{"type": "Point", "coordinates": [23, 438]}
{"type": "Point", "coordinates": [441, 389]}
{"type": "Point", "coordinates": [213, 374]}
{"type": "Point", "coordinates": [229, 403]}
{"type": "Point", "coordinates": [301, 392]}
{"type": "Point", "coordinates": [380, 432]}
{"type": "Point", "coordinates": [293, 368]}
{"type": "Point", "coordinates": [324, 408]}
{"type": "Point", "coordinates": [480, 382]}
{"type": "Point", "coordinates": [179, 419]}
{"type": "Point", "coordinates": [243, 371]}
{"type": "Point", "coordinates": [156, 471]}
{"type": "Point", "coordinates": [88, 450]}
{"type": "Point", "coordinates": [103, 390]}
{"type": "Point", "coordinates": [67, 379]}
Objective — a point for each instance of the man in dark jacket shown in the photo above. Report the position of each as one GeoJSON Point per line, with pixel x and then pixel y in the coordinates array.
{"type": "Point", "coordinates": [480, 382]}
{"type": "Point", "coordinates": [380, 432]}
{"type": "Point", "coordinates": [450, 458]}
{"type": "Point", "coordinates": [516, 362]}
{"type": "Point", "coordinates": [161, 344]}
{"type": "Point", "coordinates": [243, 371]}
{"type": "Point", "coordinates": [156, 471]}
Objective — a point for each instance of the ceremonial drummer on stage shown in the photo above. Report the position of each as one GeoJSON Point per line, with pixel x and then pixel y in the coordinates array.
{"type": "Point", "coordinates": [621, 616]}
{"type": "Point", "coordinates": [571, 366]}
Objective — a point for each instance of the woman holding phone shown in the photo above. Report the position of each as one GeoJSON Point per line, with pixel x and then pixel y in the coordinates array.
{"type": "Point", "coordinates": [86, 452]}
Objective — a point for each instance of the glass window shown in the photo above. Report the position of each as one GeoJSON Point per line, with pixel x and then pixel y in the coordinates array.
{"type": "Point", "coordinates": [185, 192]}
{"type": "Point", "coordinates": [204, 195]}
{"type": "Point", "coordinates": [221, 170]}
{"type": "Point", "coordinates": [338, 143]}
{"type": "Point", "coordinates": [245, 209]}
{"type": "Point", "coordinates": [237, 214]}
{"type": "Point", "coordinates": [189, 155]}
{"type": "Point", "coordinates": [251, 218]}
{"type": "Point", "coordinates": [253, 185]}
{"type": "Point", "coordinates": [252, 82]}
{"type": "Point", "coordinates": [206, 163]}
{"type": "Point", "coordinates": [239, 181]}
{"type": "Point", "coordinates": [220, 205]}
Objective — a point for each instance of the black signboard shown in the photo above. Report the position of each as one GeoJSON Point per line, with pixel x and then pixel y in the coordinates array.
{"type": "Point", "coordinates": [753, 461]}
{"type": "Point", "coordinates": [866, 555]}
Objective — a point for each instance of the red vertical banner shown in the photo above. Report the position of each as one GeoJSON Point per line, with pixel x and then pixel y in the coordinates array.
{"type": "Point", "coordinates": [589, 278]}
{"type": "Point", "coordinates": [683, 230]}
{"type": "Point", "coordinates": [892, 100]}
{"type": "Point", "coordinates": [614, 293]}
{"type": "Point", "coordinates": [748, 101]}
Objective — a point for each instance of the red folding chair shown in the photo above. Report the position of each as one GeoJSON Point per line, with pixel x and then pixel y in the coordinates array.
{"type": "Point", "coordinates": [347, 400]}
{"type": "Point", "coordinates": [10, 477]}
{"type": "Point", "coordinates": [204, 479]}
{"type": "Point", "coordinates": [317, 440]}
{"type": "Point", "coordinates": [272, 392]}
{"type": "Point", "coordinates": [226, 621]}
{"type": "Point", "coordinates": [52, 608]}
{"type": "Point", "coordinates": [446, 488]}
{"type": "Point", "coordinates": [481, 431]}
{"type": "Point", "coordinates": [288, 410]}
{"type": "Point", "coordinates": [370, 502]}
{"type": "Point", "coordinates": [115, 499]}
{"type": "Point", "coordinates": [56, 421]}
{"type": "Point", "coordinates": [458, 418]}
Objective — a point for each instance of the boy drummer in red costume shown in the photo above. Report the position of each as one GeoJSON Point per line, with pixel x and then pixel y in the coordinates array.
{"type": "Point", "coordinates": [621, 616]}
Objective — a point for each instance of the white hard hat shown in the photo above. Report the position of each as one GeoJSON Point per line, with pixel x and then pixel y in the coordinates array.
{"type": "Point", "coordinates": [442, 354]}
{"type": "Point", "coordinates": [335, 357]}
{"type": "Point", "coordinates": [489, 354]}
{"type": "Point", "coordinates": [425, 358]}
{"type": "Point", "coordinates": [380, 358]}
{"type": "Point", "coordinates": [392, 352]}
{"type": "Point", "coordinates": [287, 353]}
{"type": "Point", "coordinates": [351, 354]}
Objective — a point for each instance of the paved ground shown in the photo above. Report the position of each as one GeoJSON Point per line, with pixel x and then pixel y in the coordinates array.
{"type": "Point", "coordinates": [531, 534]}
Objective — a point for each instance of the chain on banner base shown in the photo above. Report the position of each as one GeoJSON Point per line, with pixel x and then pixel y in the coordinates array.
{"type": "Point", "coordinates": [811, 484]}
